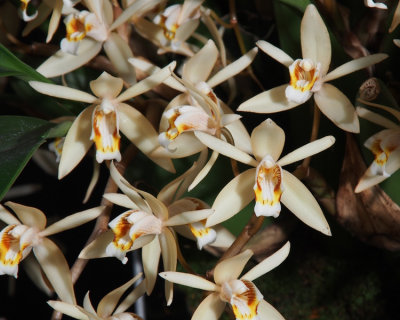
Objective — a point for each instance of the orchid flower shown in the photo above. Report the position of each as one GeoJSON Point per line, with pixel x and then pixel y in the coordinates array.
{"type": "Point", "coordinates": [309, 76]}
{"type": "Point", "coordinates": [267, 181]}
{"type": "Point", "coordinates": [171, 28]}
{"type": "Point", "coordinates": [24, 11]}
{"type": "Point", "coordinates": [107, 308]}
{"type": "Point", "coordinates": [101, 121]}
{"type": "Point", "coordinates": [385, 146]}
{"type": "Point", "coordinates": [29, 233]}
{"type": "Point", "coordinates": [245, 299]}
{"type": "Point", "coordinates": [90, 31]}
{"type": "Point", "coordinates": [147, 225]}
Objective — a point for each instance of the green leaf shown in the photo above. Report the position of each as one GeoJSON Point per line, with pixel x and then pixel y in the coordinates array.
{"type": "Point", "coordinates": [20, 137]}
{"type": "Point", "coordinates": [298, 4]}
{"type": "Point", "coordinates": [10, 65]}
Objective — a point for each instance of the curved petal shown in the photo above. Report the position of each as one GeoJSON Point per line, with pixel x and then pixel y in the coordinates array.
{"type": "Point", "coordinates": [63, 62]}
{"type": "Point", "coordinates": [77, 142]}
{"type": "Point", "coordinates": [267, 139]}
{"type": "Point", "coordinates": [396, 19]}
{"type": "Point", "coordinates": [233, 69]}
{"type": "Point", "coordinates": [266, 311]}
{"type": "Point", "coordinates": [107, 305]}
{"type": "Point", "coordinates": [73, 221]}
{"type": "Point", "coordinates": [190, 280]}
{"type": "Point", "coordinates": [106, 86]}
{"type": "Point", "coordinates": [225, 148]}
{"type": "Point", "coordinates": [87, 304]}
{"type": "Point", "coordinates": [395, 113]}
{"type": "Point", "coordinates": [62, 92]}
{"type": "Point", "coordinates": [275, 53]}
{"type": "Point", "coordinates": [148, 83]}
{"type": "Point", "coordinates": [56, 268]}
{"type": "Point", "coordinates": [224, 238]}
{"type": "Point", "coordinates": [97, 248]}
{"type": "Point", "coordinates": [187, 217]}
{"type": "Point", "coordinates": [337, 107]}
{"type": "Point", "coordinates": [233, 197]}
{"type": "Point", "coordinates": [128, 189]}
{"type": "Point", "coordinates": [131, 298]}
{"type": "Point", "coordinates": [231, 268]}
{"type": "Point", "coordinates": [54, 20]}
{"type": "Point", "coordinates": [118, 51]}
{"type": "Point", "coordinates": [141, 133]}
{"type": "Point", "coordinates": [307, 150]}
{"type": "Point", "coordinates": [376, 118]}
{"type": "Point", "coordinates": [7, 217]}
{"type": "Point", "coordinates": [169, 255]}
{"type": "Point", "coordinates": [150, 258]}
{"type": "Point", "coordinates": [184, 145]}
{"type": "Point", "coordinates": [93, 180]}
{"type": "Point", "coordinates": [298, 199]}
{"type": "Point", "coordinates": [210, 308]}
{"type": "Point", "coordinates": [355, 65]}
{"type": "Point", "coordinates": [204, 171]}
{"type": "Point", "coordinates": [268, 264]}
{"type": "Point", "coordinates": [29, 216]}
{"type": "Point", "coordinates": [121, 200]}
{"type": "Point", "coordinates": [315, 41]}
{"type": "Point", "coordinates": [43, 12]}
{"type": "Point", "coordinates": [199, 67]}
{"type": "Point", "coordinates": [67, 309]}
{"type": "Point", "coordinates": [273, 100]}
{"type": "Point", "coordinates": [369, 180]}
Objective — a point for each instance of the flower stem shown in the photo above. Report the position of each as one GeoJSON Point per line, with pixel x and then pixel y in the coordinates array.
{"type": "Point", "coordinates": [314, 134]}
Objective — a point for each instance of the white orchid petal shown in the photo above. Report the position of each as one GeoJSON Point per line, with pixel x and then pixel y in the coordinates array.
{"type": "Point", "coordinates": [77, 142]}
{"type": "Point", "coordinates": [118, 51]}
{"type": "Point", "coordinates": [315, 41]}
{"type": "Point", "coordinates": [376, 118]}
{"type": "Point", "coordinates": [87, 304]}
{"type": "Point", "coordinates": [210, 308]}
{"type": "Point", "coordinates": [233, 197]}
{"type": "Point", "coordinates": [390, 110]}
{"type": "Point", "coordinates": [232, 267]}
{"type": "Point", "coordinates": [188, 217]}
{"type": "Point", "coordinates": [396, 19]}
{"type": "Point", "coordinates": [7, 217]}
{"type": "Point", "coordinates": [29, 216]}
{"type": "Point", "coordinates": [266, 311]}
{"type": "Point", "coordinates": [225, 148]}
{"type": "Point", "coordinates": [275, 53]}
{"type": "Point", "coordinates": [182, 146]}
{"type": "Point", "coordinates": [233, 69]}
{"type": "Point", "coordinates": [56, 268]}
{"type": "Point", "coordinates": [190, 280]}
{"type": "Point", "coordinates": [131, 298]}
{"type": "Point", "coordinates": [267, 139]}
{"type": "Point", "coordinates": [273, 100]}
{"type": "Point", "coordinates": [337, 107]}
{"type": "Point", "coordinates": [63, 92]}
{"type": "Point", "coordinates": [307, 150]}
{"type": "Point", "coordinates": [224, 238]}
{"type": "Point", "coordinates": [355, 65]}
{"type": "Point", "coordinates": [68, 309]}
{"type": "Point", "coordinates": [369, 180]}
{"type": "Point", "coordinates": [97, 248]}
{"type": "Point", "coordinates": [54, 20]}
{"type": "Point", "coordinates": [169, 255]}
{"type": "Point", "coordinates": [150, 258]}
{"type": "Point", "coordinates": [62, 62]}
{"type": "Point", "coordinates": [141, 133]}
{"type": "Point", "coordinates": [148, 83]}
{"type": "Point", "coordinates": [268, 263]}
{"type": "Point", "coordinates": [121, 200]}
{"type": "Point", "coordinates": [298, 199]}
{"type": "Point", "coordinates": [204, 171]}
{"type": "Point", "coordinates": [107, 305]}
{"type": "Point", "coordinates": [106, 86]}
{"type": "Point", "coordinates": [73, 221]}
{"type": "Point", "coordinates": [43, 12]}
{"type": "Point", "coordinates": [199, 67]}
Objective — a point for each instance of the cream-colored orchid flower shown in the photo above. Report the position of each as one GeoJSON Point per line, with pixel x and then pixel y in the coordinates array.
{"type": "Point", "coordinates": [245, 299]}
{"type": "Point", "coordinates": [147, 225]}
{"type": "Point", "coordinates": [309, 76]}
{"type": "Point", "coordinates": [373, 4]}
{"type": "Point", "coordinates": [170, 29]}
{"type": "Point", "coordinates": [107, 308]}
{"type": "Point", "coordinates": [90, 31]}
{"type": "Point", "coordinates": [29, 233]}
{"type": "Point", "coordinates": [385, 146]}
{"type": "Point", "coordinates": [101, 122]}
{"type": "Point", "coordinates": [267, 182]}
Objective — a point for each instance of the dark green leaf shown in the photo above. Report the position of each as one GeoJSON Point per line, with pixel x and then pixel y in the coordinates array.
{"type": "Point", "coordinates": [20, 137]}
{"type": "Point", "coordinates": [10, 65]}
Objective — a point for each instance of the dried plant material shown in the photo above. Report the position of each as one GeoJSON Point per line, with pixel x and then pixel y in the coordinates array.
{"type": "Point", "coordinates": [369, 215]}
{"type": "Point", "coordinates": [370, 89]}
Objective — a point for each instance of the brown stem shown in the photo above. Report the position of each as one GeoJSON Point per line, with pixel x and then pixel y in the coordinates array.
{"type": "Point", "coordinates": [314, 134]}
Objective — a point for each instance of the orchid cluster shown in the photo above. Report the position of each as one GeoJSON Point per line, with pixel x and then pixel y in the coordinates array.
{"type": "Point", "coordinates": [173, 96]}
